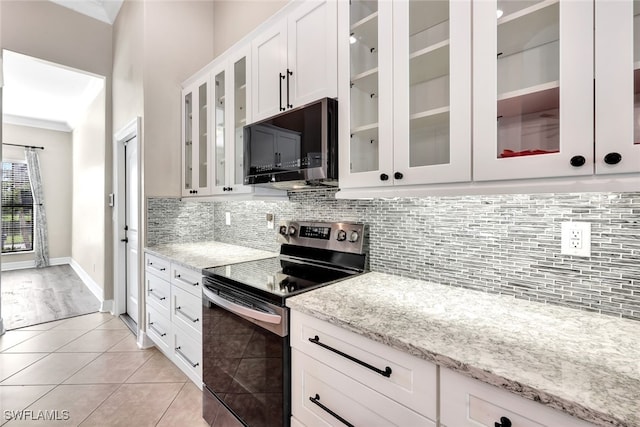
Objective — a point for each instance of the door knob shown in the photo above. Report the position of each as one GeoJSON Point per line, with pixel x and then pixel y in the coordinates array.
{"type": "Point", "coordinates": [384, 177]}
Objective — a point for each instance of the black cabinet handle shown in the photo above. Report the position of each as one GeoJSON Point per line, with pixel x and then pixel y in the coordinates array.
{"type": "Point", "coordinates": [385, 373]}
{"type": "Point", "coordinates": [384, 177]}
{"type": "Point", "coordinates": [280, 79]}
{"type": "Point", "coordinates": [577, 161]}
{"type": "Point", "coordinates": [398, 175]}
{"type": "Point", "coordinates": [289, 73]}
{"type": "Point", "coordinates": [613, 158]}
{"type": "Point", "coordinates": [316, 400]}
{"type": "Point", "coordinates": [504, 422]}
{"type": "Point", "coordinates": [125, 240]}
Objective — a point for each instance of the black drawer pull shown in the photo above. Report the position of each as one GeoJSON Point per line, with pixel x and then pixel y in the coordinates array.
{"type": "Point", "coordinates": [504, 422]}
{"type": "Point", "coordinates": [385, 373]}
{"type": "Point", "coordinates": [316, 400]}
{"type": "Point", "coordinates": [153, 294]}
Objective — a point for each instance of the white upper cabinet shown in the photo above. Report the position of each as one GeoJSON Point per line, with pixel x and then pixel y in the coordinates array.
{"type": "Point", "coordinates": [196, 170]}
{"type": "Point", "coordinates": [617, 69]}
{"type": "Point", "coordinates": [231, 96]}
{"type": "Point", "coordinates": [533, 89]}
{"type": "Point", "coordinates": [405, 92]}
{"type": "Point", "coordinates": [295, 59]}
{"type": "Point", "coordinates": [432, 91]}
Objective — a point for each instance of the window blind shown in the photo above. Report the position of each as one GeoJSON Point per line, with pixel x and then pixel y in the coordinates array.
{"type": "Point", "coordinates": [17, 208]}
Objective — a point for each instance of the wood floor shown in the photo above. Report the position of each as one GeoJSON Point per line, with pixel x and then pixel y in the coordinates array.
{"type": "Point", "coordinates": [38, 295]}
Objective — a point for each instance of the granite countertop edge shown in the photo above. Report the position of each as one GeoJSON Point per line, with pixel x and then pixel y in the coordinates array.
{"type": "Point", "coordinates": [507, 382]}
{"type": "Point", "coordinates": [201, 255]}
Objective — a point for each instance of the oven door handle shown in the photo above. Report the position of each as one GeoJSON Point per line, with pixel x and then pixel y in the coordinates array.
{"type": "Point", "coordinates": [242, 310]}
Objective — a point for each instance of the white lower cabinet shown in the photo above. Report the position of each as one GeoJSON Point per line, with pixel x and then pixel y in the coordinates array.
{"type": "Point", "coordinates": [468, 402]}
{"type": "Point", "coordinates": [357, 379]}
{"type": "Point", "coordinates": [323, 396]}
{"type": "Point", "coordinates": [342, 378]}
{"type": "Point", "coordinates": [159, 329]}
{"type": "Point", "coordinates": [187, 354]}
{"type": "Point", "coordinates": [174, 313]}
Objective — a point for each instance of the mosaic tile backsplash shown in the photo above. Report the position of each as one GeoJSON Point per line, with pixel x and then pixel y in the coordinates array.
{"type": "Point", "coordinates": [508, 244]}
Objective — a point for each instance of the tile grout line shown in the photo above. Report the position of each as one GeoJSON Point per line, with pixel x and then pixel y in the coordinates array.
{"type": "Point", "coordinates": [171, 403]}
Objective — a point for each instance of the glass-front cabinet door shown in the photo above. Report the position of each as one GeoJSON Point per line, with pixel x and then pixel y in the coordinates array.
{"type": "Point", "coordinates": [195, 139]}
{"type": "Point", "coordinates": [231, 95]}
{"type": "Point", "coordinates": [408, 94]}
{"type": "Point", "coordinates": [365, 93]}
{"type": "Point", "coordinates": [219, 124]}
{"type": "Point", "coordinates": [432, 91]}
{"type": "Point", "coordinates": [241, 90]}
{"type": "Point", "coordinates": [617, 83]}
{"type": "Point", "coordinates": [533, 89]}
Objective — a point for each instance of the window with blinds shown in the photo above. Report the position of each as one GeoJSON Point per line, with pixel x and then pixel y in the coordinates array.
{"type": "Point", "coordinates": [17, 208]}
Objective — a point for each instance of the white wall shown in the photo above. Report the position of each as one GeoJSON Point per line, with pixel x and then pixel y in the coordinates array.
{"type": "Point", "coordinates": [88, 247]}
{"type": "Point", "coordinates": [178, 41]}
{"type": "Point", "coordinates": [55, 169]}
{"type": "Point", "coordinates": [128, 39]}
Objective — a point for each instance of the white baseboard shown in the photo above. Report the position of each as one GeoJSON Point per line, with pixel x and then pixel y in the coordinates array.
{"type": "Point", "coordinates": [20, 265]}
{"type": "Point", "coordinates": [106, 306]}
{"type": "Point", "coordinates": [144, 341]}
{"type": "Point", "coordinates": [91, 284]}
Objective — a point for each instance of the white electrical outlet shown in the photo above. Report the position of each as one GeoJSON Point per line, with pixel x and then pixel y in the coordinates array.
{"type": "Point", "coordinates": [576, 238]}
{"type": "Point", "coordinates": [270, 221]}
{"type": "Point", "coordinates": [227, 218]}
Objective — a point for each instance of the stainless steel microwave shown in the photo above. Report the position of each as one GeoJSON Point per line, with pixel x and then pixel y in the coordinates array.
{"type": "Point", "coordinates": [295, 149]}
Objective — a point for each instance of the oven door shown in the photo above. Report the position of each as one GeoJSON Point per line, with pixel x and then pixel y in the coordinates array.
{"type": "Point", "coordinates": [246, 356]}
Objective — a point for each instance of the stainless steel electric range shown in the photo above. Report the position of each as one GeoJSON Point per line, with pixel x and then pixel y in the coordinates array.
{"type": "Point", "coordinates": [245, 334]}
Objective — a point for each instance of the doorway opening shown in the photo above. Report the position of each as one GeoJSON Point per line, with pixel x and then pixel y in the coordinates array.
{"type": "Point", "coordinates": [127, 224]}
{"type": "Point", "coordinates": [60, 110]}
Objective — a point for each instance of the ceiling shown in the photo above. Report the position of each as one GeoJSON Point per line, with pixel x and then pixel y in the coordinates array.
{"type": "Point", "coordinates": [46, 95]}
{"type": "Point", "coordinates": [103, 10]}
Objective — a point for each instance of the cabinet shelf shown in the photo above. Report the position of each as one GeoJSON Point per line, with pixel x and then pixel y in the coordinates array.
{"type": "Point", "coordinates": [529, 100]}
{"type": "Point", "coordinates": [428, 118]}
{"type": "Point", "coordinates": [364, 128]}
{"type": "Point", "coordinates": [430, 62]}
{"type": "Point", "coordinates": [367, 81]}
{"type": "Point", "coordinates": [366, 30]}
{"type": "Point", "coordinates": [515, 30]}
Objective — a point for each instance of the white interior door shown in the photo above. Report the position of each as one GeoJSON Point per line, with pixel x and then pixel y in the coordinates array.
{"type": "Point", "coordinates": [131, 227]}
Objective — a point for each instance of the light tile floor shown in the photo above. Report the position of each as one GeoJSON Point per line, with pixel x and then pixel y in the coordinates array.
{"type": "Point", "coordinates": [89, 371]}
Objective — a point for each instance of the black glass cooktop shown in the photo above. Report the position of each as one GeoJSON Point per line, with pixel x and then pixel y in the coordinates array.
{"type": "Point", "coordinates": [275, 278]}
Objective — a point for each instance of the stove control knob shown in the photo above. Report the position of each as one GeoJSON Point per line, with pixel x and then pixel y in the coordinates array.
{"type": "Point", "coordinates": [341, 236]}
{"type": "Point", "coordinates": [292, 230]}
{"type": "Point", "coordinates": [353, 237]}
{"type": "Point", "coordinates": [283, 230]}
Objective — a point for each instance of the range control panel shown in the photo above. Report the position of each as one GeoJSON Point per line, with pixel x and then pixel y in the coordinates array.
{"type": "Point", "coordinates": [335, 236]}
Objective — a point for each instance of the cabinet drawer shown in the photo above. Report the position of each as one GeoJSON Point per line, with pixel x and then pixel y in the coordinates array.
{"type": "Point", "coordinates": [187, 279]}
{"type": "Point", "coordinates": [158, 293]}
{"type": "Point", "coordinates": [412, 381]}
{"type": "Point", "coordinates": [314, 384]}
{"type": "Point", "coordinates": [187, 354]}
{"type": "Point", "coordinates": [156, 265]}
{"type": "Point", "coordinates": [472, 403]}
{"type": "Point", "coordinates": [159, 330]}
{"type": "Point", "coordinates": [186, 311]}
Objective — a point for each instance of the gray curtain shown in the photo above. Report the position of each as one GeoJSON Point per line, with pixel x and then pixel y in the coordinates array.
{"type": "Point", "coordinates": [40, 238]}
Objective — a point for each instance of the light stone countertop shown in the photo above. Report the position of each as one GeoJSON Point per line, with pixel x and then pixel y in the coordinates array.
{"type": "Point", "coordinates": [201, 255]}
{"type": "Point", "coordinates": [585, 364]}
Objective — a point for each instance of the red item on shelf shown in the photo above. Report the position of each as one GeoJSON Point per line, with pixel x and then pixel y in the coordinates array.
{"type": "Point", "coordinates": [511, 153]}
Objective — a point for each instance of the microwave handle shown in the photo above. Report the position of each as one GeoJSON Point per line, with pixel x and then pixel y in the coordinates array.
{"type": "Point", "coordinates": [241, 310]}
